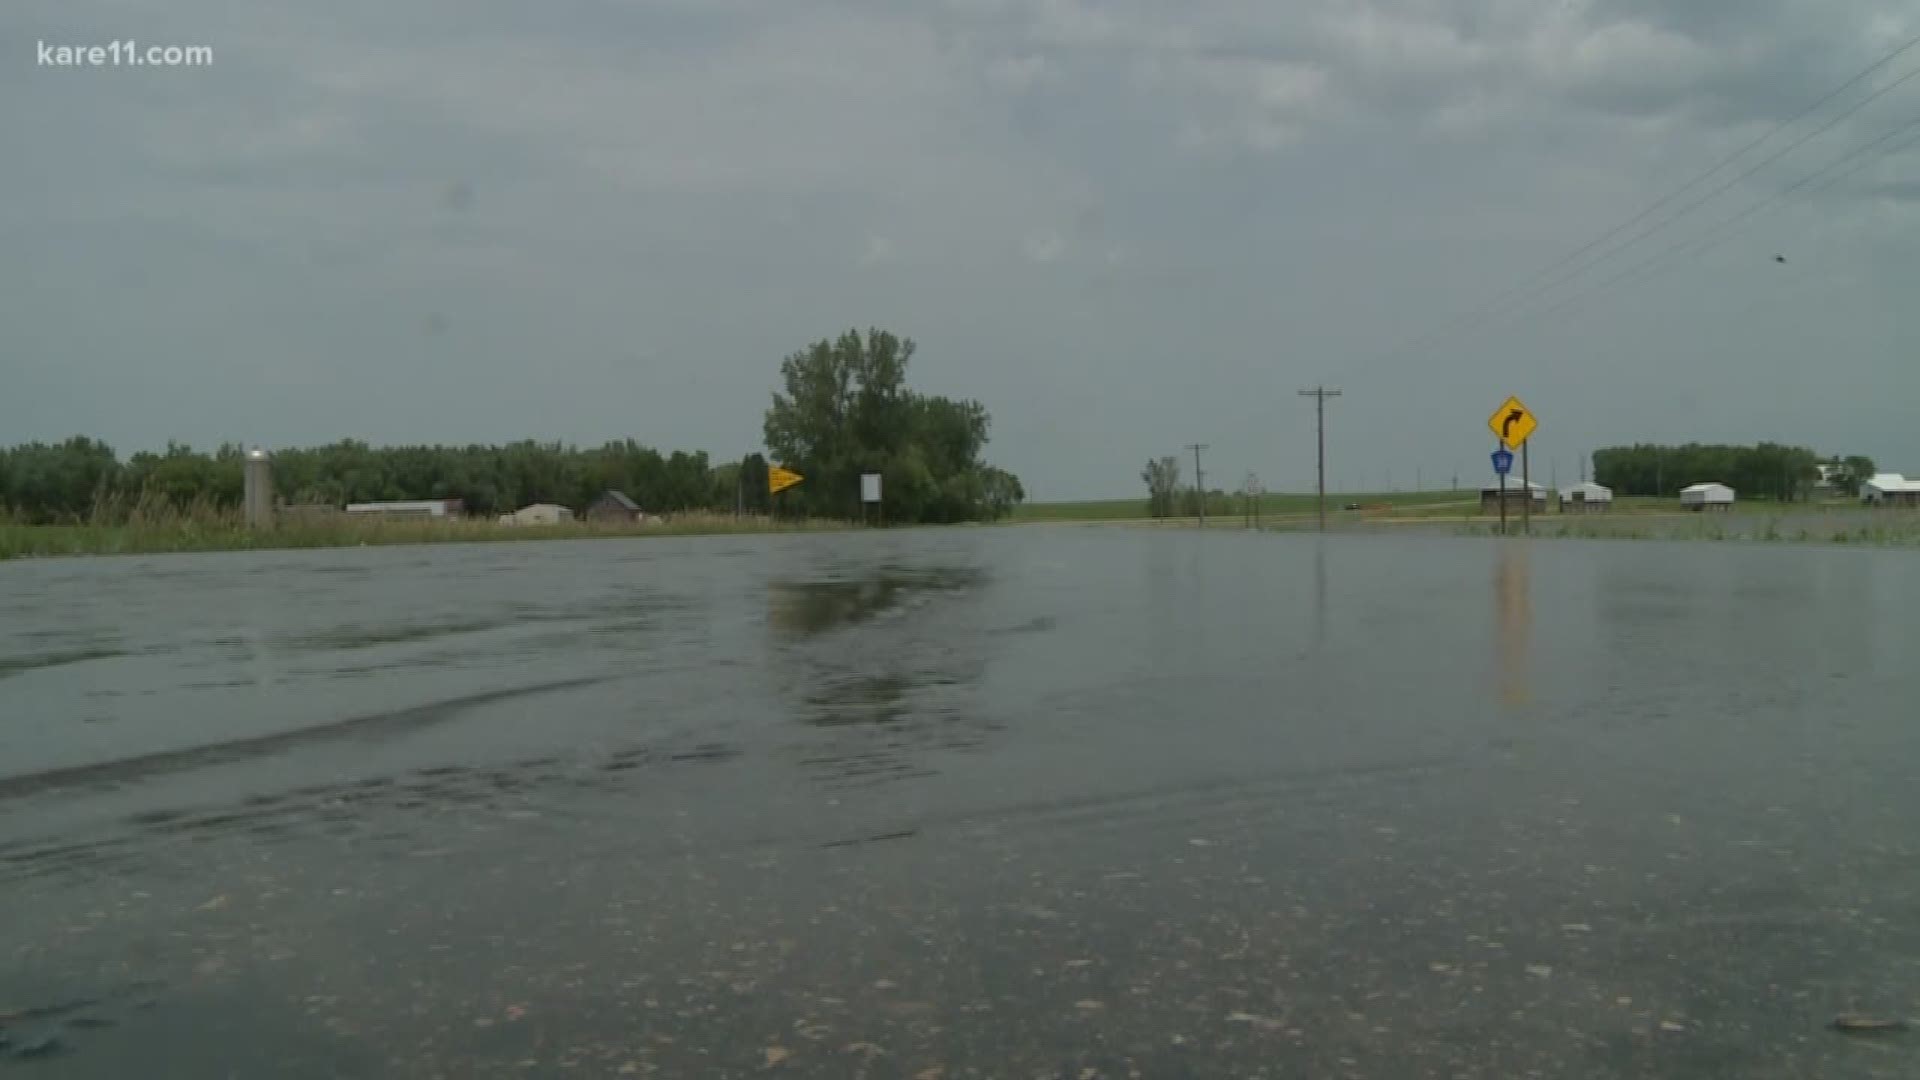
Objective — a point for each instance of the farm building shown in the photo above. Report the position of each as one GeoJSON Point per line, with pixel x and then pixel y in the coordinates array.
{"type": "Point", "coordinates": [1585, 497]}
{"type": "Point", "coordinates": [538, 514]}
{"type": "Point", "coordinates": [1890, 489]}
{"type": "Point", "coordinates": [1706, 496]}
{"type": "Point", "coordinates": [423, 508]}
{"type": "Point", "coordinates": [614, 506]}
{"type": "Point", "coordinates": [1516, 501]}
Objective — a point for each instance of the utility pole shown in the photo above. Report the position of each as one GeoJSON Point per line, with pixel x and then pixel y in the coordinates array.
{"type": "Point", "coordinates": [1199, 480]}
{"type": "Point", "coordinates": [1320, 394]}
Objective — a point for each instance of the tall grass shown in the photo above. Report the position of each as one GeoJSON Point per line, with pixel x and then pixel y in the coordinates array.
{"type": "Point", "coordinates": [1272, 504]}
{"type": "Point", "coordinates": [1873, 528]}
{"type": "Point", "coordinates": [117, 526]}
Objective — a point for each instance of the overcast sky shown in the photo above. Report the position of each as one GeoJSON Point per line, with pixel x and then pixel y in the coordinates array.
{"type": "Point", "coordinates": [1123, 226]}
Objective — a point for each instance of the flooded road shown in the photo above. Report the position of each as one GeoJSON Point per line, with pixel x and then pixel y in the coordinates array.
{"type": "Point", "coordinates": [1039, 802]}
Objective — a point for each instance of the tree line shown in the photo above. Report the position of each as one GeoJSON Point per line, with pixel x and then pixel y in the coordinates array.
{"type": "Point", "coordinates": [1166, 497]}
{"type": "Point", "coordinates": [1765, 470]}
{"type": "Point", "coordinates": [73, 480]}
{"type": "Point", "coordinates": [845, 410]}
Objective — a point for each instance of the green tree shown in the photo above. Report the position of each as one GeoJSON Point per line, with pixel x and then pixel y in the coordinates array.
{"type": "Point", "coordinates": [1763, 471]}
{"type": "Point", "coordinates": [1855, 469]}
{"type": "Point", "coordinates": [753, 479]}
{"type": "Point", "coordinates": [1162, 477]}
{"type": "Point", "coordinates": [1004, 492]}
{"type": "Point", "coordinates": [725, 491]}
{"type": "Point", "coordinates": [61, 482]}
{"type": "Point", "coordinates": [845, 410]}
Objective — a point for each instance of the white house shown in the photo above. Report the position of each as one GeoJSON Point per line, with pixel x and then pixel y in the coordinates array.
{"type": "Point", "coordinates": [538, 514]}
{"type": "Point", "coordinates": [1586, 495]}
{"type": "Point", "coordinates": [1890, 489]}
{"type": "Point", "coordinates": [1708, 495]}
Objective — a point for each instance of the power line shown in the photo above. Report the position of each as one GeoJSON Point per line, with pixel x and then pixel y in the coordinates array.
{"type": "Point", "coordinates": [1756, 167]}
{"type": "Point", "coordinates": [1725, 230]}
{"type": "Point", "coordinates": [1720, 233]}
{"type": "Point", "coordinates": [1799, 279]}
{"type": "Point", "coordinates": [1777, 155]}
{"type": "Point", "coordinates": [1892, 151]}
{"type": "Point", "coordinates": [1471, 314]}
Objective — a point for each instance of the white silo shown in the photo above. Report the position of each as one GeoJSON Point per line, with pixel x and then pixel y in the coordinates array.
{"type": "Point", "coordinates": [259, 489]}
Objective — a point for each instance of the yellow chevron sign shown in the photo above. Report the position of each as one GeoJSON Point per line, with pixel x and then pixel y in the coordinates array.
{"type": "Point", "coordinates": [779, 479]}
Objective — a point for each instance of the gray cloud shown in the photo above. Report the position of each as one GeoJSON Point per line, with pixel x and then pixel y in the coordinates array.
{"type": "Point", "coordinates": [1122, 225]}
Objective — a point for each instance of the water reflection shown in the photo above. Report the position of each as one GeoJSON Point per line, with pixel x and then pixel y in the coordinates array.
{"type": "Point", "coordinates": [1320, 593]}
{"type": "Point", "coordinates": [1514, 609]}
{"type": "Point", "coordinates": [1847, 643]}
{"type": "Point", "coordinates": [883, 668]}
{"type": "Point", "coordinates": [805, 608]}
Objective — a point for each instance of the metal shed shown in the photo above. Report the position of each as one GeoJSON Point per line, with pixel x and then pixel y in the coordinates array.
{"type": "Point", "coordinates": [1585, 497]}
{"type": "Point", "coordinates": [538, 514]}
{"type": "Point", "coordinates": [1890, 489]}
{"type": "Point", "coordinates": [1515, 495]}
{"type": "Point", "coordinates": [1706, 496]}
{"type": "Point", "coordinates": [417, 508]}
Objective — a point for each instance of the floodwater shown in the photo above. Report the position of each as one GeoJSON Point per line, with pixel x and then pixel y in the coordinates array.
{"type": "Point", "coordinates": [1029, 802]}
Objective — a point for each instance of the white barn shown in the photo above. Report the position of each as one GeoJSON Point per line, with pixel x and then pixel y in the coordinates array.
{"type": "Point", "coordinates": [1585, 496]}
{"type": "Point", "coordinates": [1704, 496]}
{"type": "Point", "coordinates": [1890, 489]}
{"type": "Point", "coordinates": [538, 514]}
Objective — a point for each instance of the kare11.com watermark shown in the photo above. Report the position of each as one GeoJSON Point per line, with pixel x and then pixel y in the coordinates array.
{"type": "Point", "coordinates": [127, 53]}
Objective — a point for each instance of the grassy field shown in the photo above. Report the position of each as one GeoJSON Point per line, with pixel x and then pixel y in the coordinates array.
{"type": "Point", "coordinates": [225, 531]}
{"type": "Point", "coordinates": [1883, 528]}
{"type": "Point", "coordinates": [1459, 512]}
{"type": "Point", "coordinates": [124, 531]}
{"type": "Point", "coordinates": [1273, 504]}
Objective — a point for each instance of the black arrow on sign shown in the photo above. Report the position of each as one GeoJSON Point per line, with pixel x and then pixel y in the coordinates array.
{"type": "Point", "coordinates": [1513, 417]}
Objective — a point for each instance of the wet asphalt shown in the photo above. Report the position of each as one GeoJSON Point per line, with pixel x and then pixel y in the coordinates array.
{"type": "Point", "coordinates": [1041, 802]}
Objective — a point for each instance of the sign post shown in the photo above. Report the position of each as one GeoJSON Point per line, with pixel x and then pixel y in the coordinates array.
{"type": "Point", "coordinates": [1513, 424]}
{"type": "Point", "coordinates": [779, 479]}
{"type": "Point", "coordinates": [1502, 464]}
{"type": "Point", "coordinates": [1526, 494]}
{"type": "Point", "coordinates": [870, 496]}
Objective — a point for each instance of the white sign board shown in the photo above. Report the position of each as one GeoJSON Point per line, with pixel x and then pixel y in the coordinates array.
{"type": "Point", "coordinates": [870, 487]}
